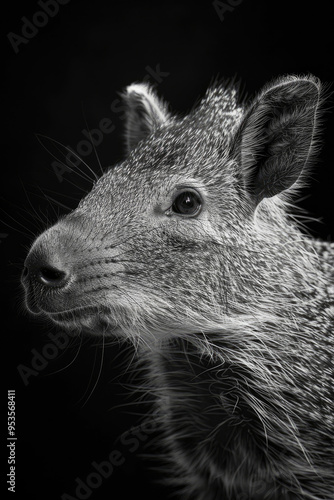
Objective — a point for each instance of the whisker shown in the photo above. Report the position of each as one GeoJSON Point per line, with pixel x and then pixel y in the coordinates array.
{"type": "Point", "coordinates": [98, 375]}
{"type": "Point", "coordinates": [47, 197]}
{"type": "Point", "coordinates": [71, 362]}
{"type": "Point", "coordinates": [74, 168]}
{"type": "Point", "coordinates": [26, 234]}
{"type": "Point", "coordinates": [92, 142]}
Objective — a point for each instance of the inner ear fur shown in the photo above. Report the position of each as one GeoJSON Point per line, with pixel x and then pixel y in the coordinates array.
{"type": "Point", "coordinates": [275, 139]}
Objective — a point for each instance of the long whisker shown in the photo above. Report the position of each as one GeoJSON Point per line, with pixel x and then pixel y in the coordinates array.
{"type": "Point", "coordinates": [90, 135]}
{"type": "Point", "coordinates": [74, 169]}
{"type": "Point", "coordinates": [98, 375]}
{"type": "Point", "coordinates": [31, 205]}
{"type": "Point", "coordinates": [24, 233]}
{"type": "Point", "coordinates": [71, 362]}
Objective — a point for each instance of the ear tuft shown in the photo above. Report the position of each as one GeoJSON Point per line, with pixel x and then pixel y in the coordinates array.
{"type": "Point", "coordinates": [145, 113]}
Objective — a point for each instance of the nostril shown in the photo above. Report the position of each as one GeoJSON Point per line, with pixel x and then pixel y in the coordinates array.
{"type": "Point", "coordinates": [51, 276]}
{"type": "Point", "coordinates": [46, 269]}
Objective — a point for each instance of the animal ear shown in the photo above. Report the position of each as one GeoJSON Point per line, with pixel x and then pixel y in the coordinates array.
{"type": "Point", "coordinates": [276, 136]}
{"type": "Point", "coordinates": [145, 112]}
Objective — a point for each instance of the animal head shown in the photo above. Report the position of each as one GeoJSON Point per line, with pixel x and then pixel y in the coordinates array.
{"type": "Point", "coordinates": [182, 233]}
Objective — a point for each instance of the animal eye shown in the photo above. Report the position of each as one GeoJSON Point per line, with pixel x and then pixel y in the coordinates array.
{"type": "Point", "coordinates": [187, 203]}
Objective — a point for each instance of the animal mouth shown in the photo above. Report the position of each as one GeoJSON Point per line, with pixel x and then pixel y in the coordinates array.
{"type": "Point", "coordinates": [92, 319]}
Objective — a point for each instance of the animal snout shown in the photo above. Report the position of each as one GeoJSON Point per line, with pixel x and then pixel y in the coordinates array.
{"type": "Point", "coordinates": [44, 272]}
{"type": "Point", "coordinates": [47, 273]}
{"type": "Point", "coordinates": [47, 264]}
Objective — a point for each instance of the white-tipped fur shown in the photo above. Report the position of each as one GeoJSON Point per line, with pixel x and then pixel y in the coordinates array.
{"type": "Point", "coordinates": [145, 112]}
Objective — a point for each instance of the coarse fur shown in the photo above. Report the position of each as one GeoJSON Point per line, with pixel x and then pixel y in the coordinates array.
{"type": "Point", "coordinates": [231, 308]}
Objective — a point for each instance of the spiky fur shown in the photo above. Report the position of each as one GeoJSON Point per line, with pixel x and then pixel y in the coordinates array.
{"type": "Point", "coordinates": [232, 311]}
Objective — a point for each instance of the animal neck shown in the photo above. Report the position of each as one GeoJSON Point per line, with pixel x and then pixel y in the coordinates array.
{"type": "Point", "coordinates": [210, 424]}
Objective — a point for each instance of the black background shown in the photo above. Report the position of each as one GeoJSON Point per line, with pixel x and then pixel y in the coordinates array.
{"type": "Point", "coordinates": [62, 81]}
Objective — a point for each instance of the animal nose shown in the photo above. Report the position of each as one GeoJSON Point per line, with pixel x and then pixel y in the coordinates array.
{"type": "Point", "coordinates": [46, 275]}
{"type": "Point", "coordinates": [39, 269]}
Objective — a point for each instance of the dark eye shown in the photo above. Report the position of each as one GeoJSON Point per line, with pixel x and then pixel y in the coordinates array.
{"type": "Point", "coordinates": [187, 203]}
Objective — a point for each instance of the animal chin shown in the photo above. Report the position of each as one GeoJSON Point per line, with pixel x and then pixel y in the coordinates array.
{"type": "Point", "coordinates": [87, 320]}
